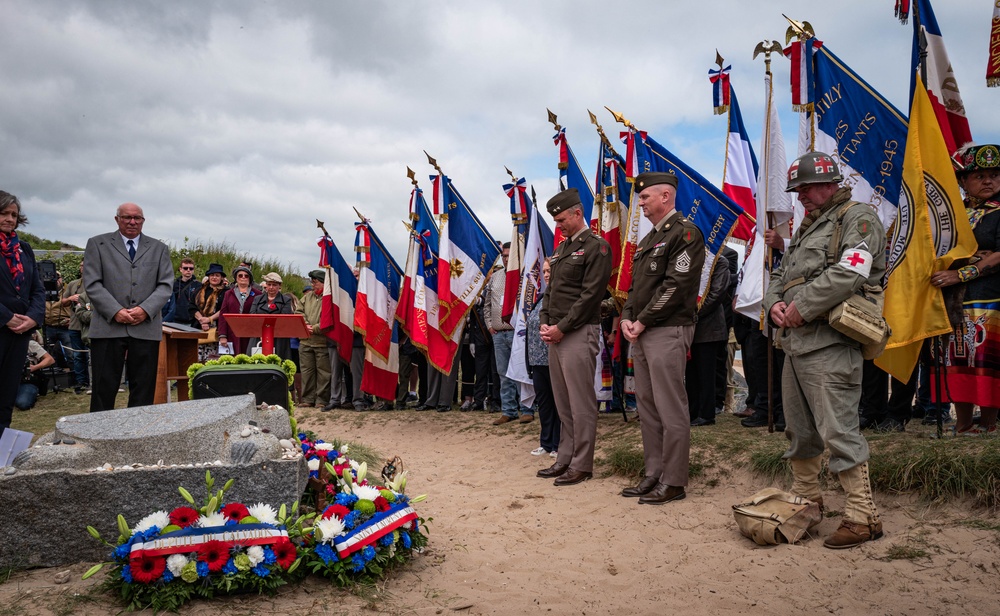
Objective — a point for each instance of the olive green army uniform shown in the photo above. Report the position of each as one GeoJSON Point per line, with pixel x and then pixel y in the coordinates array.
{"type": "Point", "coordinates": [821, 382]}
{"type": "Point", "coordinates": [666, 273]}
{"type": "Point", "coordinates": [580, 269]}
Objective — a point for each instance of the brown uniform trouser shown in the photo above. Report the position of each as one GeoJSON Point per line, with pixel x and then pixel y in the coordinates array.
{"type": "Point", "coordinates": [660, 355]}
{"type": "Point", "coordinates": [572, 364]}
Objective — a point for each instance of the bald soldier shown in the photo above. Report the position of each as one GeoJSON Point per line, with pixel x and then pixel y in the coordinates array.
{"type": "Point", "coordinates": [659, 319]}
{"type": "Point", "coordinates": [570, 324]}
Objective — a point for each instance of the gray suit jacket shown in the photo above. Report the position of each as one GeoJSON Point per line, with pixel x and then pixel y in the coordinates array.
{"type": "Point", "coordinates": [114, 282]}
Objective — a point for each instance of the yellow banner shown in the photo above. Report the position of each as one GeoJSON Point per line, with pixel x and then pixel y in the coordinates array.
{"type": "Point", "coordinates": [930, 232]}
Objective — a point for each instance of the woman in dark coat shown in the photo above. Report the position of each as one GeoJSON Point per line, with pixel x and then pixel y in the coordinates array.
{"type": "Point", "coordinates": [273, 301]}
{"type": "Point", "coordinates": [22, 303]}
{"type": "Point", "coordinates": [238, 300]}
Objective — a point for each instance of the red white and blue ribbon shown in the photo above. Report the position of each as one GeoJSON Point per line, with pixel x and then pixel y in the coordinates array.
{"type": "Point", "coordinates": [518, 201]}
{"type": "Point", "coordinates": [560, 140]}
{"type": "Point", "coordinates": [802, 73]}
{"type": "Point", "coordinates": [720, 89]}
{"type": "Point", "coordinates": [374, 530]}
{"type": "Point", "coordinates": [324, 244]}
{"type": "Point", "coordinates": [189, 539]}
{"type": "Point", "coordinates": [362, 244]}
{"type": "Point", "coordinates": [631, 158]}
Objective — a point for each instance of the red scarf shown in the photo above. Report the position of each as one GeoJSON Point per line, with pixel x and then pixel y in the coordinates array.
{"type": "Point", "coordinates": [10, 248]}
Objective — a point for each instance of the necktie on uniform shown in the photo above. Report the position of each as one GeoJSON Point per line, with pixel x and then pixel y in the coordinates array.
{"type": "Point", "coordinates": [131, 250]}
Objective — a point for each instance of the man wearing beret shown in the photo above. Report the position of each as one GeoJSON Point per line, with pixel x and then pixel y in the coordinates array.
{"type": "Point", "coordinates": [570, 324]}
{"type": "Point", "coordinates": [659, 320]}
{"type": "Point", "coordinates": [314, 359]}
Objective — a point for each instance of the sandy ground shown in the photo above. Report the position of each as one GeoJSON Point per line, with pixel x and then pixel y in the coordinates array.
{"type": "Point", "coordinates": [505, 542]}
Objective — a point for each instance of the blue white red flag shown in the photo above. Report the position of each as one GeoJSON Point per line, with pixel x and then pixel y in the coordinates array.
{"type": "Point", "coordinates": [520, 203]}
{"type": "Point", "coordinates": [739, 177]}
{"type": "Point", "coordinates": [802, 74]}
{"type": "Point", "coordinates": [572, 176]}
{"type": "Point", "coordinates": [339, 291]}
{"type": "Point", "coordinates": [418, 309]}
{"type": "Point", "coordinates": [863, 132]}
{"type": "Point", "coordinates": [942, 86]}
{"type": "Point", "coordinates": [375, 313]}
{"type": "Point", "coordinates": [720, 89]}
{"type": "Point", "coordinates": [537, 247]}
{"type": "Point", "coordinates": [613, 193]}
{"type": "Point", "coordinates": [637, 226]}
{"type": "Point", "coordinates": [467, 253]}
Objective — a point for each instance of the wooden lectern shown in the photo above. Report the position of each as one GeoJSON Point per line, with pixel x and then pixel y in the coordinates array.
{"type": "Point", "coordinates": [267, 327]}
{"type": "Point", "coordinates": [178, 350]}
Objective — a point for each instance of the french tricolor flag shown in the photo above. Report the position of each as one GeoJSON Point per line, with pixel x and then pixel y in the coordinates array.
{"type": "Point", "coordinates": [467, 253]}
{"type": "Point", "coordinates": [520, 203]}
{"type": "Point", "coordinates": [942, 86]}
{"type": "Point", "coordinates": [739, 178]}
{"type": "Point", "coordinates": [418, 309]}
{"type": "Point", "coordinates": [339, 292]}
{"type": "Point", "coordinates": [375, 312]}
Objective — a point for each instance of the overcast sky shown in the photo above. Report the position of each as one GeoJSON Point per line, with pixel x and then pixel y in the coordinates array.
{"type": "Point", "coordinates": [244, 122]}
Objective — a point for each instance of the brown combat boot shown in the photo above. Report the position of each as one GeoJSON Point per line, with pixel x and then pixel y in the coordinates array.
{"type": "Point", "coordinates": [851, 534]}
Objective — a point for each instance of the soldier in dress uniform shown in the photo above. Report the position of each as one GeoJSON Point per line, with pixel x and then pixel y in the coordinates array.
{"type": "Point", "coordinates": [659, 319]}
{"type": "Point", "coordinates": [838, 249]}
{"type": "Point", "coordinates": [570, 324]}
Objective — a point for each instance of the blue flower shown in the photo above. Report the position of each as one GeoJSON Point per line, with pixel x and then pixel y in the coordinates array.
{"type": "Point", "coordinates": [269, 557]}
{"type": "Point", "coordinates": [202, 567]}
{"type": "Point", "coordinates": [332, 455]}
{"type": "Point", "coordinates": [149, 533]}
{"type": "Point", "coordinates": [368, 553]}
{"type": "Point", "coordinates": [127, 574]}
{"type": "Point", "coordinates": [325, 552]}
{"type": "Point", "coordinates": [122, 552]}
{"type": "Point", "coordinates": [261, 570]}
{"type": "Point", "coordinates": [404, 538]}
{"type": "Point", "coordinates": [230, 567]}
{"type": "Point", "coordinates": [302, 436]}
{"type": "Point", "coordinates": [357, 562]}
{"type": "Point", "coordinates": [167, 576]}
{"type": "Point", "coordinates": [345, 499]}
{"type": "Point", "coordinates": [386, 540]}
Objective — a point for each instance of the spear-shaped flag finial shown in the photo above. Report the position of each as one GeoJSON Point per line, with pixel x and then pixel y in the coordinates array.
{"type": "Point", "coordinates": [718, 59]}
{"type": "Point", "coordinates": [432, 162]}
{"type": "Point", "coordinates": [798, 29]}
{"type": "Point", "coordinates": [413, 176]}
{"type": "Point", "coordinates": [553, 120]}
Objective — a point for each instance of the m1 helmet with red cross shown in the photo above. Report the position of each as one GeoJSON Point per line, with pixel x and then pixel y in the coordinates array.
{"type": "Point", "coordinates": [813, 168]}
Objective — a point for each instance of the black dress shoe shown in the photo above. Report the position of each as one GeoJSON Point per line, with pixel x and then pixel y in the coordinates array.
{"type": "Point", "coordinates": [443, 409]}
{"type": "Point", "coordinates": [701, 421]}
{"type": "Point", "coordinates": [645, 487]}
{"type": "Point", "coordinates": [329, 407]}
{"type": "Point", "coordinates": [571, 478]}
{"type": "Point", "coordinates": [423, 407]}
{"type": "Point", "coordinates": [662, 493]}
{"type": "Point", "coordinates": [553, 471]}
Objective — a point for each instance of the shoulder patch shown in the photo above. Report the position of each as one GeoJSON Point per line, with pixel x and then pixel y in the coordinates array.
{"type": "Point", "coordinates": [864, 227]}
{"type": "Point", "coordinates": [604, 248]}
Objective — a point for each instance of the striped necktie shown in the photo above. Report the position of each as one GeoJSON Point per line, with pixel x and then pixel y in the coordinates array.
{"type": "Point", "coordinates": [131, 250]}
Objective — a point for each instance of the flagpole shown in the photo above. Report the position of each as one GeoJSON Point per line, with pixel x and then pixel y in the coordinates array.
{"type": "Point", "coordinates": [803, 31]}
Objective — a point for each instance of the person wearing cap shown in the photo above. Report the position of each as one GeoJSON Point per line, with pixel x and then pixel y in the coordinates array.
{"type": "Point", "coordinates": [314, 358]}
{"type": "Point", "coordinates": [837, 251]}
{"type": "Point", "coordinates": [127, 276]}
{"type": "Point", "coordinates": [237, 300]}
{"type": "Point", "coordinates": [207, 301]}
{"type": "Point", "coordinates": [658, 319]}
{"type": "Point", "coordinates": [273, 301]}
{"type": "Point", "coordinates": [569, 323]}
{"type": "Point", "coordinates": [971, 374]}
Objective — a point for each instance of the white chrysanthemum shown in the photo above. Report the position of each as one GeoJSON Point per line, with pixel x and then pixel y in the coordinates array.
{"type": "Point", "coordinates": [355, 465]}
{"type": "Point", "coordinates": [314, 464]}
{"type": "Point", "coordinates": [341, 460]}
{"type": "Point", "coordinates": [264, 512]}
{"type": "Point", "coordinates": [213, 519]}
{"type": "Point", "coordinates": [326, 530]}
{"type": "Point", "coordinates": [159, 519]}
{"type": "Point", "coordinates": [324, 446]}
{"type": "Point", "coordinates": [343, 448]}
{"type": "Point", "coordinates": [366, 492]}
{"type": "Point", "coordinates": [256, 554]}
{"type": "Point", "coordinates": [175, 563]}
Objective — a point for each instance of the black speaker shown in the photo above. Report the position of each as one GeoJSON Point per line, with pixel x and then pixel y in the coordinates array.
{"type": "Point", "coordinates": [267, 383]}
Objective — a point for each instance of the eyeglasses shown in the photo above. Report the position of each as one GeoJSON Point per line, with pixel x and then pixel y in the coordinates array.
{"type": "Point", "coordinates": [242, 276]}
{"type": "Point", "coordinates": [130, 218]}
{"type": "Point", "coordinates": [187, 268]}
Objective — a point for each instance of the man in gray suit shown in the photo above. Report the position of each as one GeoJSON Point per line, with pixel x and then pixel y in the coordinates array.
{"type": "Point", "coordinates": [128, 278]}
